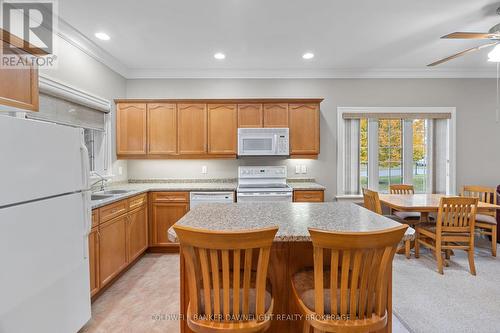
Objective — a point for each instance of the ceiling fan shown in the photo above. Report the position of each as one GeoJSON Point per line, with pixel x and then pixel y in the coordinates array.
{"type": "Point", "coordinates": [493, 35]}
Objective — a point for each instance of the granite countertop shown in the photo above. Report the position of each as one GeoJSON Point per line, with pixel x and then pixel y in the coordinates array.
{"type": "Point", "coordinates": [137, 187]}
{"type": "Point", "coordinates": [308, 186]}
{"type": "Point", "coordinates": [293, 219]}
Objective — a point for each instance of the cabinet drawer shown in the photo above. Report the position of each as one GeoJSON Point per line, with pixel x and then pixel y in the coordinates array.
{"type": "Point", "coordinates": [308, 196]}
{"type": "Point", "coordinates": [113, 210]}
{"type": "Point", "coordinates": [171, 196]}
{"type": "Point", "coordinates": [137, 201]}
{"type": "Point", "coordinates": [95, 218]}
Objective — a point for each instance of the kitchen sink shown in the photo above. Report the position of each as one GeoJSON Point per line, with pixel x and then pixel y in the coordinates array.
{"type": "Point", "coordinates": [100, 196]}
{"type": "Point", "coordinates": [114, 192]}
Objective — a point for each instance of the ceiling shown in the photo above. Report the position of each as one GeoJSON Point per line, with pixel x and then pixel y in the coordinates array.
{"type": "Point", "coordinates": [266, 38]}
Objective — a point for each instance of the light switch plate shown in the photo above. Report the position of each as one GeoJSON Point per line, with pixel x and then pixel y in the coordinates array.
{"type": "Point", "coordinates": [297, 169]}
{"type": "Point", "coordinates": [204, 170]}
{"type": "Point", "coordinates": [303, 169]}
{"type": "Point", "coordinates": [120, 171]}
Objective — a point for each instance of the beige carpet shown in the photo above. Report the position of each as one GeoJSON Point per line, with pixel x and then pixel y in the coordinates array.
{"type": "Point", "coordinates": [426, 301]}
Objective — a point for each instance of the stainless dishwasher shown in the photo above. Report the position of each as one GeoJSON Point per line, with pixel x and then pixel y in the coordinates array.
{"type": "Point", "coordinates": [197, 198]}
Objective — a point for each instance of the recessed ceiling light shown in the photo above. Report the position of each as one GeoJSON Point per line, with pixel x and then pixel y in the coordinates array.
{"type": "Point", "coordinates": [308, 55]}
{"type": "Point", "coordinates": [102, 36]}
{"type": "Point", "coordinates": [219, 56]}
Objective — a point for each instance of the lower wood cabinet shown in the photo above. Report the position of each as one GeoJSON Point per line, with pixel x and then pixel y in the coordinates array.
{"type": "Point", "coordinates": [94, 261]}
{"type": "Point", "coordinates": [137, 232]}
{"type": "Point", "coordinates": [163, 216]}
{"type": "Point", "coordinates": [112, 248]}
{"type": "Point", "coordinates": [116, 240]}
{"type": "Point", "coordinates": [308, 196]}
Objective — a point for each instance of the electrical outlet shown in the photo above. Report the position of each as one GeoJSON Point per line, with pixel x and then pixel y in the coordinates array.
{"type": "Point", "coordinates": [120, 171]}
{"type": "Point", "coordinates": [303, 169]}
{"type": "Point", "coordinates": [297, 169]}
{"type": "Point", "coordinates": [204, 170]}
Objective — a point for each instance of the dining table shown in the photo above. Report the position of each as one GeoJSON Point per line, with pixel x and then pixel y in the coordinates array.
{"type": "Point", "coordinates": [424, 203]}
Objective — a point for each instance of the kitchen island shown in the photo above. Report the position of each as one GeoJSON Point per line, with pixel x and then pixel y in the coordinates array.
{"type": "Point", "coordinates": [292, 249]}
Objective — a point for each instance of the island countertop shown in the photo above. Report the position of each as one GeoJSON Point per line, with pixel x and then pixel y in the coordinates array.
{"type": "Point", "coordinates": [293, 219]}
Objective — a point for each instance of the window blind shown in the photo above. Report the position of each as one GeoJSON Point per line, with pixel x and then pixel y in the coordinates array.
{"type": "Point", "coordinates": [441, 156]}
{"type": "Point", "coordinates": [351, 162]}
{"type": "Point", "coordinates": [64, 112]}
{"type": "Point", "coordinates": [373, 115]}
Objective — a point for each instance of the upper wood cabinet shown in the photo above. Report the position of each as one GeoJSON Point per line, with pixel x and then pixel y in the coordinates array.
{"type": "Point", "coordinates": [131, 129]}
{"type": "Point", "coordinates": [276, 115]}
{"type": "Point", "coordinates": [192, 128]}
{"type": "Point", "coordinates": [208, 128]}
{"type": "Point", "coordinates": [162, 128]}
{"type": "Point", "coordinates": [304, 129]}
{"type": "Point", "coordinates": [222, 128]}
{"type": "Point", "coordinates": [250, 115]}
{"type": "Point", "coordinates": [18, 85]}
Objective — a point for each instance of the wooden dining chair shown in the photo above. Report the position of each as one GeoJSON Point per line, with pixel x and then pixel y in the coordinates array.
{"type": "Point", "coordinates": [349, 289]}
{"type": "Point", "coordinates": [372, 202]}
{"type": "Point", "coordinates": [227, 289]}
{"type": "Point", "coordinates": [454, 229]}
{"type": "Point", "coordinates": [486, 222]}
{"type": "Point", "coordinates": [404, 189]}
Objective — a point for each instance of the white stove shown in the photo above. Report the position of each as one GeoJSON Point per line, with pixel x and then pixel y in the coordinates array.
{"type": "Point", "coordinates": [257, 184]}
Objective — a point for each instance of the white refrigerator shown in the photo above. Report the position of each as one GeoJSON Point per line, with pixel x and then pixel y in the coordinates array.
{"type": "Point", "coordinates": [45, 219]}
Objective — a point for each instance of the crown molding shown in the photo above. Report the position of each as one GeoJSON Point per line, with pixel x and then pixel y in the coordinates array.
{"type": "Point", "coordinates": [356, 73]}
{"type": "Point", "coordinates": [73, 36]}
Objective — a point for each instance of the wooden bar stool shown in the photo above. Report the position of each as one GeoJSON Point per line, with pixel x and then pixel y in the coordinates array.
{"type": "Point", "coordinates": [454, 229]}
{"type": "Point", "coordinates": [348, 289]}
{"type": "Point", "coordinates": [486, 222]}
{"type": "Point", "coordinates": [227, 293]}
{"type": "Point", "coordinates": [372, 202]}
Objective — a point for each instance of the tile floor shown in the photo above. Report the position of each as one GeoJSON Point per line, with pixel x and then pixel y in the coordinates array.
{"type": "Point", "coordinates": [146, 299]}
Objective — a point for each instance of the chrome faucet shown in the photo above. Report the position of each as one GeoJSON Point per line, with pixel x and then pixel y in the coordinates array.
{"type": "Point", "coordinates": [102, 180]}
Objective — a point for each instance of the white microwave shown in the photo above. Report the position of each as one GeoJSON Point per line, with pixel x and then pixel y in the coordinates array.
{"type": "Point", "coordinates": [263, 142]}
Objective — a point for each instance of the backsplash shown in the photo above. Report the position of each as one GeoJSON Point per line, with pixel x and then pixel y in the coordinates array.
{"type": "Point", "coordinates": [215, 169]}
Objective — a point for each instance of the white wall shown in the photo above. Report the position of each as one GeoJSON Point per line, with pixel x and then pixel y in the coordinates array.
{"type": "Point", "coordinates": [478, 134]}
{"type": "Point", "coordinates": [83, 72]}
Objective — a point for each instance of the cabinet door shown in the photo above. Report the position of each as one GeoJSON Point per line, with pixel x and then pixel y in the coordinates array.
{"type": "Point", "coordinates": [94, 261]}
{"type": "Point", "coordinates": [304, 129]}
{"type": "Point", "coordinates": [112, 248]}
{"type": "Point", "coordinates": [162, 128]}
{"type": "Point", "coordinates": [130, 129]}
{"type": "Point", "coordinates": [222, 129]}
{"type": "Point", "coordinates": [276, 115]}
{"type": "Point", "coordinates": [250, 115]}
{"type": "Point", "coordinates": [137, 232]}
{"type": "Point", "coordinates": [192, 120]}
{"type": "Point", "coordinates": [19, 86]}
{"type": "Point", "coordinates": [164, 216]}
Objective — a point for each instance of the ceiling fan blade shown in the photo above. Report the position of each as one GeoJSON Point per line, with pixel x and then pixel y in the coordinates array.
{"type": "Point", "coordinates": [471, 35]}
{"type": "Point", "coordinates": [473, 49]}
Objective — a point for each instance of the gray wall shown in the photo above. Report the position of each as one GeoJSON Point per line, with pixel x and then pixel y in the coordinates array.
{"type": "Point", "coordinates": [83, 72]}
{"type": "Point", "coordinates": [478, 135]}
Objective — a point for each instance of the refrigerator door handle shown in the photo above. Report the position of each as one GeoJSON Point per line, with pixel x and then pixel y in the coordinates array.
{"type": "Point", "coordinates": [87, 223]}
{"type": "Point", "coordinates": [85, 164]}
